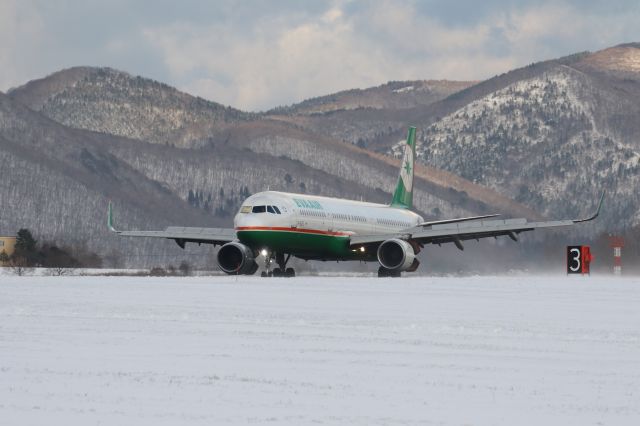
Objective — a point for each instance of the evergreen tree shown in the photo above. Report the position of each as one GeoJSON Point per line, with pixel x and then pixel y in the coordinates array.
{"type": "Point", "coordinates": [288, 179]}
{"type": "Point", "coordinates": [185, 268]}
{"type": "Point", "coordinates": [4, 258]}
{"type": "Point", "coordinates": [26, 247]}
{"type": "Point", "coordinates": [58, 257]}
{"type": "Point", "coordinates": [244, 193]}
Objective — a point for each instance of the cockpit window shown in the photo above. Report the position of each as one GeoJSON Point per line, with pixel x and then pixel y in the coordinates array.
{"type": "Point", "coordinates": [260, 209]}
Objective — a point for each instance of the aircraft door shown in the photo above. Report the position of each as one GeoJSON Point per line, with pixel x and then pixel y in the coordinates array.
{"type": "Point", "coordinates": [297, 219]}
{"type": "Point", "coordinates": [300, 222]}
{"type": "Point", "coordinates": [328, 220]}
{"type": "Point", "coordinates": [322, 221]}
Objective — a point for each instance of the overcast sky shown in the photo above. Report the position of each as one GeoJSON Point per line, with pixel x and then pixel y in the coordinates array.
{"type": "Point", "coordinates": [259, 54]}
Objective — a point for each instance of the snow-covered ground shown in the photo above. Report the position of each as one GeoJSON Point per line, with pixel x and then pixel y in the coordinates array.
{"type": "Point", "coordinates": [364, 351]}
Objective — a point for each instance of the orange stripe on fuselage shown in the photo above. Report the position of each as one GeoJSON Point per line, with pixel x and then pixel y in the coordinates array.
{"type": "Point", "coordinates": [299, 230]}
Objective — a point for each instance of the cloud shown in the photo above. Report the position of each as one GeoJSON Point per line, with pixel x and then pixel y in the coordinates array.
{"type": "Point", "coordinates": [276, 61]}
{"type": "Point", "coordinates": [21, 35]}
{"type": "Point", "coordinates": [287, 59]}
{"type": "Point", "coordinates": [256, 55]}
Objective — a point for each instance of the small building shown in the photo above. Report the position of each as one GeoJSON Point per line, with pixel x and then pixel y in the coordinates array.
{"type": "Point", "coordinates": [7, 245]}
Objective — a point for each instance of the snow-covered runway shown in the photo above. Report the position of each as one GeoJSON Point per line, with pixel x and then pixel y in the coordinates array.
{"type": "Point", "coordinates": [365, 351]}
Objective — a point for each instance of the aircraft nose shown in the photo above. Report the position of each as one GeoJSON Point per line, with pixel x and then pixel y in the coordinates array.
{"type": "Point", "coordinates": [243, 220]}
{"type": "Point", "coordinates": [239, 220]}
{"type": "Point", "coordinates": [260, 219]}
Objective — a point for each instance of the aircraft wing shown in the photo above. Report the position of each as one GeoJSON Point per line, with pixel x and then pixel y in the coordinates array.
{"type": "Point", "coordinates": [181, 235]}
{"type": "Point", "coordinates": [456, 232]}
{"type": "Point", "coordinates": [457, 220]}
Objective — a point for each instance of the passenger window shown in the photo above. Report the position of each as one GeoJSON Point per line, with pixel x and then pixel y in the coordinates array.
{"type": "Point", "coordinates": [277, 210]}
{"type": "Point", "coordinates": [259, 209]}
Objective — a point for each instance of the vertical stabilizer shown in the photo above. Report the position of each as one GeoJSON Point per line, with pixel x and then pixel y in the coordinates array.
{"type": "Point", "coordinates": [403, 195]}
{"type": "Point", "coordinates": [110, 218]}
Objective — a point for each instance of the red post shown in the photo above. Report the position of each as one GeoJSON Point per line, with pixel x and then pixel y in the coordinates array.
{"type": "Point", "coordinates": [587, 257]}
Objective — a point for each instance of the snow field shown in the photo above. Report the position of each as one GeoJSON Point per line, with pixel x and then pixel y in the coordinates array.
{"type": "Point", "coordinates": [364, 351]}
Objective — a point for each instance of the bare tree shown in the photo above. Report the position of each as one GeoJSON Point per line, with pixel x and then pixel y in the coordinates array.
{"type": "Point", "coordinates": [19, 266]}
{"type": "Point", "coordinates": [59, 271]}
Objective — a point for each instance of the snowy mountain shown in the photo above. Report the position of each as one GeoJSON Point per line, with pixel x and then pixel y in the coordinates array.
{"type": "Point", "coordinates": [58, 181]}
{"type": "Point", "coordinates": [392, 95]}
{"type": "Point", "coordinates": [109, 101]}
{"type": "Point", "coordinates": [544, 138]}
{"type": "Point", "coordinates": [552, 140]}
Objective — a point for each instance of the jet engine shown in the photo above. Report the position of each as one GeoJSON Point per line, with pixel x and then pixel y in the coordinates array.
{"type": "Point", "coordinates": [396, 255]}
{"type": "Point", "coordinates": [236, 259]}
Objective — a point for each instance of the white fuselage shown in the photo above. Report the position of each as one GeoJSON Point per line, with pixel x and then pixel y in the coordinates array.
{"type": "Point", "coordinates": [324, 214]}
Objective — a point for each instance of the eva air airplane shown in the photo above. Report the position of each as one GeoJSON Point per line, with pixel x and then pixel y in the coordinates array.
{"type": "Point", "coordinates": [278, 225]}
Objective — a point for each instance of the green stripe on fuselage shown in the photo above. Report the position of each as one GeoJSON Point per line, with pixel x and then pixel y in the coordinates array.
{"type": "Point", "coordinates": [308, 245]}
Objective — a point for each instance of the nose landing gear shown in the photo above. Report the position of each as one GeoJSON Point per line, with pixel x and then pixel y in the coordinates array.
{"type": "Point", "coordinates": [281, 270]}
{"type": "Point", "coordinates": [267, 265]}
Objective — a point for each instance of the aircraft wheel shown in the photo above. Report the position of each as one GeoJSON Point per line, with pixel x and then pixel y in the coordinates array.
{"type": "Point", "coordinates": [384, 272]}
{"type": "Point", "coordinates": [264, 274]}
{"type": "Point", "coordinates": [277, 272]}
{"type": "Point", "coordinates": [290, 272]}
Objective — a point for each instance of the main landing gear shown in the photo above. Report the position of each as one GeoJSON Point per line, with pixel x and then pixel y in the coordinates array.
{"type": "Point", "coordinates": [281, 270]}
{"type": "Point", "coordinates": [384, 272]}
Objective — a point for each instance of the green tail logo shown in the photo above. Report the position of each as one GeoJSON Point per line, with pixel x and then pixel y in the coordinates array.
{"type": "Point", "coordinates": [403, 196]}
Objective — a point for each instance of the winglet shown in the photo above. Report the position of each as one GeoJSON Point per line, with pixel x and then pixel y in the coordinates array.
{"type": "Point", "coordinates": [110, 219]}
{"type": "Point", "coordinates": [595, 215]}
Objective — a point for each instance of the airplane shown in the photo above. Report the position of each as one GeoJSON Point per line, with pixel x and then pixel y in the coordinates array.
{"type": "Point", "coordinates": [278, 225]}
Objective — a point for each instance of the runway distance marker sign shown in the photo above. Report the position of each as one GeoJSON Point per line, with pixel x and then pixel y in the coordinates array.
{"type": "Point", "coordinates": [579, 259]}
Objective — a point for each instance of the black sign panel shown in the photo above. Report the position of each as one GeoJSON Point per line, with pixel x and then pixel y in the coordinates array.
{"type": "Point", "coordinates": [574, 259]}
